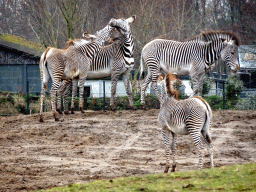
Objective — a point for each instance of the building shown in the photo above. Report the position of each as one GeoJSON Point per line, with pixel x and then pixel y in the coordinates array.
{"type": "Point", "coordinates": [18, 66]}
{"type": "Point", "coordinates": [247, 60]}
{"type": "Point", "coordinates": [19, 70]}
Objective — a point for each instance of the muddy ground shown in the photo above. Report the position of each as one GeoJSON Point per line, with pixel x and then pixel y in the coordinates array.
{"type": "Point", "coordinates": [104, 145]}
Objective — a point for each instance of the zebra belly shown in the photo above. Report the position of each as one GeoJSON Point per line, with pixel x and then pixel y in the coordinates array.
{"type": "Point", "coordinates": [179, 129]}
{"type": "Point", "coordinates": [182, 70]}
{"type": "Point", "coordinates": [99, 74]}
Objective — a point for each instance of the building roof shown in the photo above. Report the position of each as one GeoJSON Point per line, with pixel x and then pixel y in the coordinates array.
{"type": "Point", "coordinates": [21, 45]}
{"type": "Point", "coordinates": [247, 56]}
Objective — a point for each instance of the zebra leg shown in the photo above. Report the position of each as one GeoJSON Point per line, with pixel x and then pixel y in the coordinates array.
{"type": "Point", "coordinates": [193, 130]}
{"type": "Point", "coordinates": [65, 94]}
{"type": "Point", "coordinates": [197, 80]}
{"type": "Point", "coordinates": [200, 83]}
{"type": "Point", "coordinates": [174, 141]}
{"type": "Point", "coordinates": [166, 138]}
{"type": "Point", "coordinates": [208, 141]}
{"type": "Point", "coordinates": [143, 88]}
{"type": "Point", "coordinates": [74, 91]}
{"type": "Point", "coordinates": [42, 103]}
{"type": "Point", "coordinates": [53, 101]}
{"type": "Point", "coordinates": [128, 88]}
{"type": "Point", "coordinates": [114, 79]}
{"type": "Point", "coordinates": [59, 103]}
{"type": "Point", "coordinates": [61, 93]}
{"type": "Point", "coordinates": [81, 94]}
{"type": "Point", "coordinates": [154, 86]}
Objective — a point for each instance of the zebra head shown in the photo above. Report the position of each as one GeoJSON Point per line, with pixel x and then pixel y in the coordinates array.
{"type": "Point", "coordinates": [228, 46]}
{"type": "Point", "coordinates": [126, 42]}
{"type": "Point", "coordinates": [122, 25]}
{"type": "Point", "coordinates": [101, 37]}
{"type": "Point", "coordinates": [229, 54]}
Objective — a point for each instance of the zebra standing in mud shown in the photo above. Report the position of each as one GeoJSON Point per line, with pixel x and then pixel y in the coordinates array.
{"type": "Point", "coordinates": [192, 57]}
{"type": "Point", "coordinates": [117, 59]}
{"type": "Point", "coordinates": [58, 63]}
{"type": "Point", "coordinates": [181, 117]}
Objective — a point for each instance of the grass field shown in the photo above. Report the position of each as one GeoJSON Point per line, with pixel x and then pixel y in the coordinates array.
{"type": "Point", "coordinates": [226, 178]}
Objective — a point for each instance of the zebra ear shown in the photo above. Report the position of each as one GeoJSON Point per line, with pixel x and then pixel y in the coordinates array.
{"type": "Point", "coordinates": [222, 40]}
{"type": "Point", "coordinates": [88, 36]}
{"type": "Point", "coordinates": [228, 42]}
{"type": "Point", "coordinates": [131, 19]}
{"type": "Point", "coordinates": [84, 34]}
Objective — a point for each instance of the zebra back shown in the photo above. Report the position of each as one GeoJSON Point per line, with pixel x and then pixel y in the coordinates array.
{"type": "Point", "coordinates": [207, 36]}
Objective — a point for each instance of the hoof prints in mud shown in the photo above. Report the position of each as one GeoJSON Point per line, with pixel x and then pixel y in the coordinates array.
{"type": "Point", "coordinates": [106, 145]}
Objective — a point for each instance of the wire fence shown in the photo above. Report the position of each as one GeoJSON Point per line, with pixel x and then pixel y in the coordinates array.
{"type": "Point", "coordinates": [22, 85]}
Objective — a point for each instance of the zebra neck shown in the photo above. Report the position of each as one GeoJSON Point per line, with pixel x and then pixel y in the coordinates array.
{"type": "Point", "coordinates": [128, 49]}
{"type": "Point", "coordinates": [88, 49]}
{"type": "Point", "coordinates": [211, 54]}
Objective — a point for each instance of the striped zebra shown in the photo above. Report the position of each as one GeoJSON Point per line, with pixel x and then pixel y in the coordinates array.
{"type": "Point", "coordinates": [181, 117]}
{"type": "Point", "coordinates": [117, 59]}
{"type": "Point", "coordinates": [193, 57]}
{"type": "Point", "coordinates": [55, 63]}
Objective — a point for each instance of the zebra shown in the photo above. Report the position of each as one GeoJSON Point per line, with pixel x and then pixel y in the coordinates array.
{"type": "Point", "coordinates": [55, 63]}
{"type": "Point", "coordinates": [181, 117]}
{"type": "Point", "coordinates": [193, 57]}
{"type": "Point", "coordinates": [113, 61]}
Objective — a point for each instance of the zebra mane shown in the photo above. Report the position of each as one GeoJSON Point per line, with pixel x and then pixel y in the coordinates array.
{"type": "Point", "coordinates": [70, 42]}
{"type": "Point", "coordinates": [214, 35]}
{"type": "Point", "coordinates": [170, 91]}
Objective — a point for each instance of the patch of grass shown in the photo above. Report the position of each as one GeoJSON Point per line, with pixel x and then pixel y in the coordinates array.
{"type": "Point", "coordinates": [23, 42]}
{"type": "Point", "coordinates": [16, 103]}
{"type": "Point", "coordinates": [226, 178]}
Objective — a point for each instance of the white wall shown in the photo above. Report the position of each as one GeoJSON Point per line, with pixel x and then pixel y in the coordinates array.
{"type": "Point", "coordinates": [96, 87]}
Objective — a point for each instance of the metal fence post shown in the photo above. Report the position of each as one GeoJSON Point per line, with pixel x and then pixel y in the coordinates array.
{"type": "Point", "coordinates": [27, 112]}
{"type": "Point", "coordinates": [85, 99]}
{"type": "Point", "coordinates": [104, 96]}
{"type": "Point", "coordinates": [223, 95]}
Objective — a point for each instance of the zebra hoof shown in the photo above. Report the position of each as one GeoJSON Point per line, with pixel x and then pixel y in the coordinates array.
{"type": "Point", "coordinates": [72, 111]}
{"type": "Point", "coordinates": [55, 116]}
{"type": "Point", "coordinates": [144, 107]}
{"type": "Point", "coordinates": [41, 118]}
{"type": "Point", "coordinates": [82, 110]}
{"type": "Point", "coordinates": [59, 111]}
{"type": "Point", "coordinates": [66, 112]}
{"type": "Point", "coordinates": [166, 169]}
{"type": "Point", "coordinates": [111, 108]}
{"type": "Point", "coordinates": [133, 108]}
{"type": "Point", "coordinates": [173, 168]}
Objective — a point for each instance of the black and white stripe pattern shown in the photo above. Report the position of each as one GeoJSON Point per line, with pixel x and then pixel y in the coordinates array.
{"type": "Point", "coordinates": [69, 63]}
{"type": "Point", "coordinates": [181, 117]}
{"type": "Point", "coordinates": [191, 57]}
{"type": "Point", "coordinates": [112, 61]}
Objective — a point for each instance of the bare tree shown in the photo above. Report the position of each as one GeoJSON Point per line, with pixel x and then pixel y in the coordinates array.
{"type": "Point", "coordinates": [52, 22]}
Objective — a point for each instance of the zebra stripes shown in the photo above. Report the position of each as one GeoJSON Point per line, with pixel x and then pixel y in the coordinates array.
{"type": "Point", "coordinates": [181, 117]}
{"type": "Point", "coordinates": [192, 57]}
{"type": "Point", "coordinates": [112, 61]}
{"type": "Point", "coordinates": [70, 62]}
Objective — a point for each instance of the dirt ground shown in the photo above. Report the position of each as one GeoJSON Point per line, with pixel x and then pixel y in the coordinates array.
{"type": "Point", "coordinates": [104, 145]}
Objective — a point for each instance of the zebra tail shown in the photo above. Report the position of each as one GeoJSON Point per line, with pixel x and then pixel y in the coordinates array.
{"type": "Point", "coordinates": [207, 122]}
{"type": "Point", "coordinates": [142, 73]}
{"type": "Point", "coordinates": [44, 73]}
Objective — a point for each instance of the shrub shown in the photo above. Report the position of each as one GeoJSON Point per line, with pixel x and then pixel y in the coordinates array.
{"type": "Point", "coordinates": [234, 87]}
{"type": "Point", "coordinates": [215, 102]}
{"type": "Point", "coordinates": [248, 103]}
{"type": "Point", "coordinates": [207, 83]}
